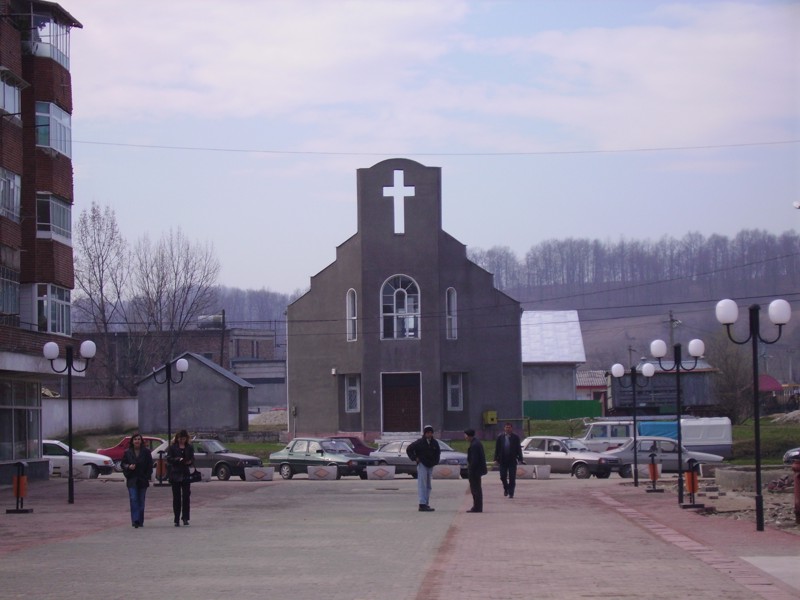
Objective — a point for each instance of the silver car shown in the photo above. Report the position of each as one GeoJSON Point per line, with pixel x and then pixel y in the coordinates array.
{"type": "Point", "coordinates": [791, 455]}
{"type": "Point", "coordinates": [394, 453]}
{"type": "Point", "coordinates": [567, 455]}
{"type": "Point", "coordinates": [666, 454]}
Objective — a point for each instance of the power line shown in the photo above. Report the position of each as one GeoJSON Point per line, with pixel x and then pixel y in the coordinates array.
{"type": "Point", "coordinates": [523, 153]}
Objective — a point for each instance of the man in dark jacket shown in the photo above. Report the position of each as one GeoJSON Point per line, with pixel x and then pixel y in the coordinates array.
{"type": "Point", "coordinates": [476, 468]}
{"type": "Point", "coordinates": [507, 454]}
{"type": "Point", "coordinates": [425, 452]}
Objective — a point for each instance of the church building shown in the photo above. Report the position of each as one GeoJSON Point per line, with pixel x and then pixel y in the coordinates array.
{"type": "Point", "coordinates": [402, 330]}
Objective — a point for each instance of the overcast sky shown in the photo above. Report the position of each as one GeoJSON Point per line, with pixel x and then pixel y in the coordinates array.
{"type": "Point", "coordinates": [243, 122]}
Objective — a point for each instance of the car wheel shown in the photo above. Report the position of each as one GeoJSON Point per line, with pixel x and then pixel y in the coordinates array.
{"type": "Point", "coordinates": [118, 466]}
{"type": "Point", "coordinates": [242, 477]}
{"type": "Point", "coordinates": [464, 474]}
{"type": "Point", "coordinates": [286, 472]}
{"type": "Point", "coordinates": [581, 471]}
{"type": "Point", "coordinates": [363, 475]}
{"type": "Point", "coordinates": [626, 471]}
{"type": "Point", "coordinates": [382, 463]}
{"type": "Point", "coordinates": [603, 475]}
{"type": "Point", "coordinates": [94, 472]}
{"type": "Point", "coordinates": [223, 472]}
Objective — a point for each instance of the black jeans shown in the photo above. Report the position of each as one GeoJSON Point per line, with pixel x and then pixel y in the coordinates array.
{"type": "Point", "coordinates": [508, 475]}
{"type": "Point", "coordinates": [477, 492]}
{"type": "Point", "coordinates": [180, 500]}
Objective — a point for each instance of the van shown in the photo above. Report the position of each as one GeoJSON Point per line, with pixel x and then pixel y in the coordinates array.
{"type": "Point", "coordinates": [713, 435]}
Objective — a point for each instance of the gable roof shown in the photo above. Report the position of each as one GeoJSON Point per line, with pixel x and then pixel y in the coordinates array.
{"type": "Point", "coordinates": [552, 336]}
{"type": "Point", "coordinates": [207, 363]}
{"type": "Point", "coordinates": [592, 378]}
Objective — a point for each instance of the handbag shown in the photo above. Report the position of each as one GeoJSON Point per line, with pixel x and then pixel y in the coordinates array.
{"type": "Point", "coordinates": [195, 476]}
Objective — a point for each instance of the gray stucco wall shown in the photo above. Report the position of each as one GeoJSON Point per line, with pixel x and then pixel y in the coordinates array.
{"type": "Point", "coordinates": [549, 382]}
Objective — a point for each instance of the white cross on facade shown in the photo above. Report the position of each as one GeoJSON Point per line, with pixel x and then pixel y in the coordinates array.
{"type": "Point", "coordinates": [399, 192]}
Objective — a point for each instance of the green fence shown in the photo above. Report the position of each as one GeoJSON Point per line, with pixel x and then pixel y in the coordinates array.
{"type": "Point", "coordinates": [558, 410]}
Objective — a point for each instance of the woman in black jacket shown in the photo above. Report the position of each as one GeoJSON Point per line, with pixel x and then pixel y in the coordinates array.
{"type": "Point", "coordinates": [137, 465]}
{"type": "Point", "coordinates": [180, 457]}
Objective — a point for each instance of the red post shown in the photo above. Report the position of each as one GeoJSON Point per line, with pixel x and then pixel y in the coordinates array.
{"type": "Point", "coordinates": [796, 471]}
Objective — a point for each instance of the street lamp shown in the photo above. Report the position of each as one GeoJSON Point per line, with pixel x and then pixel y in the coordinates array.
{"type": "Point", "coordinates": [87, 351]}
{"type": "Point", "coordinates": [181, 365]}
{"type": "Point", "coordinates": [779, 313]}
{"type": "Point", "coordinates": [618, 371]}
{"type": "Point", "coordinates": [658, 348]}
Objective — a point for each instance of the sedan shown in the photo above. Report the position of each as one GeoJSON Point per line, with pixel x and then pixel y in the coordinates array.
{"type": "Point", "coordinates": [211, 454]}
{"type": "Point", "coordinates": [666, 454]}
{"type": "Point", "coordinates": [116, 452]}
{"type": "Point", "coordinates": [394, 453]}
{"type": "Point", "coordinates": [58, 453]}
{"type": "Point", "coordinates": [355, 444]}
{"type": "Point", "coordinates": [302, 453]}
{"type": "Point", "coordinates": [567, 455]}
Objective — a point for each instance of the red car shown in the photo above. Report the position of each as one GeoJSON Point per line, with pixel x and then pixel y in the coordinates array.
{"type": "Point", "coordinates": [355, 443]}
{"type": "Point", "coordinates": [116, 453]}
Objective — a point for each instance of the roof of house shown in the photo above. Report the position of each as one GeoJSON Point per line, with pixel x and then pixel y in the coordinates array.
{"type": "Point", "coordinates": [208, 363]}
{"type": "Point", "coordinates": [593, 378]}
{"type": "Point", "coordinates": [552, 336]}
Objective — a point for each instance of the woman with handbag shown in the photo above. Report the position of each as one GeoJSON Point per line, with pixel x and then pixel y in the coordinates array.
{"type": "Point", "coordinates": [137, 465]}
{"type": "Point", "coordinates": [180, 456]}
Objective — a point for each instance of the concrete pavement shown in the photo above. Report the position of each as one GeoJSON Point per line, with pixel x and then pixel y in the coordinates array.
{"type": "Point", "coordinates": [356, 540]}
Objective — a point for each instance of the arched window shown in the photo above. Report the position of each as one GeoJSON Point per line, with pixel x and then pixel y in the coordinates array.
{"type": "Point", "coordinates": [399, 308]}
{"type": "Point", "coordinates": [352, 316]}
{"type": "Point", "coordinates": [451, 305]}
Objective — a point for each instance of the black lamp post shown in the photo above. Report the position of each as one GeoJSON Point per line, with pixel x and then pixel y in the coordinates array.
{"type": "Point", "coordinates": [780, 312]}
{"type": "Point", "coordinates": [618, 371]}
{"type": "Point", "coordinates": [87, 351]}
{"type": "Point", "coordinates": [658, 348]}
{"type": "Point", "coordinates": [181, 365]}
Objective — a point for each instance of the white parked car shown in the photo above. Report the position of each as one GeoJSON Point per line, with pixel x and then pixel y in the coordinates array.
{"type": "Point", "coordinates": [58, 453]}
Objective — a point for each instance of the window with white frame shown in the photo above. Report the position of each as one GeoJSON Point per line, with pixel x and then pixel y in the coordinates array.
{"type": "Point", "coordinates": [400, 308]}
{"type": "Point", "coordinates": [9, 194]}
{"type": "Point", "coordinates": [455, 391]}
{"type": "Point", "coordinates": [54, 309]}
{"type": "Point", "coordinates": [53, 217]}
{"type": "Point", "coordinates": [49, 38]}
{"type": "Point", "coordinates": [9, 97]}
{"type": "Point", "coordinates": [352, 393]}
{"type": "Point", "coordinates": [9, 291]}
{"type": "Point", "coordinates": [352, 316]}
{"type": "Point", "coordinates": [53, 128]}
{"type": "Point", "coordinates": [451, 305]}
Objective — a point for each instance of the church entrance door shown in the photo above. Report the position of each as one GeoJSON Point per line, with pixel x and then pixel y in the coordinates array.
{"type": "Point", "coordinates": [401, 402]}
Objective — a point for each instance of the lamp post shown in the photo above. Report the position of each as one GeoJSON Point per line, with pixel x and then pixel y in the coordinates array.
{"type": "Point", "coordinates": [658, 348]}
{"type": "Point", "coordinates": [181, 365]}
{"type": "Point", "coordinates": [618, 371]}
{"type": "Point", "coordinates": [87, 351]}
{"type": "Point", "coordinates": [780, 312]}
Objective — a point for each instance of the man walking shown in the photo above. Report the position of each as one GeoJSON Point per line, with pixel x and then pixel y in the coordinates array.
{"type": "Point", "coordinates": [425, 452]}
{"type": "Point", "coordinates": [507, 454]}
{"type": "Point", "coordinates": [476, 468]}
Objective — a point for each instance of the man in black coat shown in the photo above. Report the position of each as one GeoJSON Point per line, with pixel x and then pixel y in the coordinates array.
{"type": "Point", "coordinates": [476, 468]}
{"type": "Point", "coordinates": [508, 454]}
{"type": "Point", "coordinates": [425, 452]}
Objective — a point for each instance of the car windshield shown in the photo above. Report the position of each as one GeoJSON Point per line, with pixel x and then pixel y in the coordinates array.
{"type": "Point", "coordinates": [337, 446]}
{"type": "Point", "coordinates": [576, 445]}
{"type": "Point", "coordinates": [348, 443]}
{"type": "Point", "coordinates": [213, 446]}
{"type": "Point", "coordinates": [444, 447]}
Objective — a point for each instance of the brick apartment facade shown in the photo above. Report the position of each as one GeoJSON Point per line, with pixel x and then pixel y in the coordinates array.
{"type": "Point", "coordinates": [36, 198]}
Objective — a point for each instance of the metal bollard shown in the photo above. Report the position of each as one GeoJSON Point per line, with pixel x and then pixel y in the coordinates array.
{"type": "Point", "coordinates": [796, 471]}
{"type": "Point", "coordinates": [653, 471]}
{"type": "Point", "coordinates": [19, 484]}
{"type": "Point", "coordinates": [692, 475]}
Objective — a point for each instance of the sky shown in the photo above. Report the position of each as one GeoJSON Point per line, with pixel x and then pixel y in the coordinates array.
{"type": "Point", "coordinates": [243, 122]}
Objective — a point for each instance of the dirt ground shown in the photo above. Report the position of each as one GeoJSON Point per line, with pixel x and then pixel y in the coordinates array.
{"type": "Point", "coordinates": [738, 505]}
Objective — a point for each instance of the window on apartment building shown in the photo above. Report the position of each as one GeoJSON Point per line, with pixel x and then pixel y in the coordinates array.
{"type": "Point", "coordinates": [400, 308]}
{"type": "Point", "coordinates": [47, 37]}
{"type": "Point", "coordinates": [352, 393]}
{"type": "Point", "coordinates": [352, 316]}
{"type": "Point", "coordinates": [54, 309]}
{"type": "Point", "coordinates": [455, 391]}
{"type": "Point", "coordinates": [53, 128]}
{"type": "Point", "coordinates": [450, 309]}
{"type": "Point", "coordinates": [9, 291]}
{"type": "Point", "coordinates": [9, 194]}
{"type": "Point", "coordinates": [20, 419]}
{"type": "Point", "coordinates": [9, 97]}
{"type": "Point", "coordinates": [53, 217]}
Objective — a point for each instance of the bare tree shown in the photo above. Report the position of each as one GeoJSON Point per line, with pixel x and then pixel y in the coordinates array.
{"type": "Point", "coordinates": [174, 281]}
{"type": "Point", "coordinates": [101, 275]}
{"type": "Point", "coordinates": [733, 384]}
